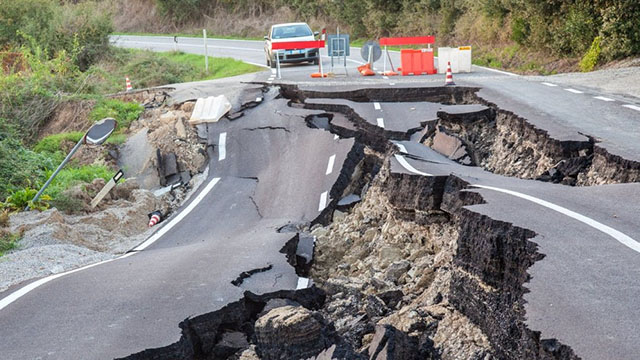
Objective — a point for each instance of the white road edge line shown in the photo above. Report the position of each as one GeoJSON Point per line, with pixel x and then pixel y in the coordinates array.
{"type": "Point", "coordinates": [574, 91]}
{"type": "Point", "coordinates": [549, 84]}
{"type": "Point", "coordinates": [497, 71]}
{"type": "Point", "coordinates": [380, 122]}
{"type": "Point", "coordinates": [617, 235]}
{"type": "Point", "coordinates": [323, 201]}
{"type": "Point", "coordinates": [332, 160]}
{"type": "Point", "coordinates": [222, 146]}
{"type": "Point", "coordinates": [637, 108]}
{"type": "Point", "coordinates": [34, 285]}
{"type": "Point", "coordinates": [603, 98]}
{"type": "Point", "coordinates": [376, 105]}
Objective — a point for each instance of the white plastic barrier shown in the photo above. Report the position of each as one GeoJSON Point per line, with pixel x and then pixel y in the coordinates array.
{"type": "Point", "coordinates": [459, 57]}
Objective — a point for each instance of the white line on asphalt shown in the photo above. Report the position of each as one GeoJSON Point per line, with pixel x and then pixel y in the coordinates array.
{"type": "Point", "coordinates": [332, 160]}
{"type": "Point", "coordinates": [222, 146]}
{"type": "Point", "coordinates": [408, 166]}
{"type": "Point", "coordinates": [376, 105]}
{"type": "Point", "coordinates": [323, 201]}
{"type": "Point", "coordinates": [256, 64]}
{"type": "Point", "coordinates": [336, 137]}
{"type": "Point", "coordinates": [637, 108]}
{"type": "Point", "coordinates": [603, 98]}
{"type": "Point", "coordinates": [392, 84]}
{"type": "Point", "coordinates": [622, 238]}
{"type": "Point", "coordinates": [574, 91]}
{"type": "Point", "coordinates": [380, 122]}
{"type": "Point", "coordinates": [191, 45]}
{"type": "Point", "coordinates": [269, 82]}
{"type": "Point", "coordinates": [157, 235]}
{"type": "Point", "coordinates": [181, 215]}
{"type": "Point", "coordinates": [497, 71]}
{"type": "Point", "coordinates": [402, 148]}
{"type": "Point", "coordinates": [549, 84]}
{"type": "Point", "coordinates": [385, 77]}
{"type": "Point", "coordinates": [617, 235]}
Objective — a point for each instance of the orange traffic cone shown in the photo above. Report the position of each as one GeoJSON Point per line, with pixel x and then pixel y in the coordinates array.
{"type": "Point", "coordinates": [449, 77]}
{"type": "Point", "coordinates": [154, 218]}
{"type": "Point", "coordinates": [129, 87]}
{"type": "Point", "coordinates": [365, 70]}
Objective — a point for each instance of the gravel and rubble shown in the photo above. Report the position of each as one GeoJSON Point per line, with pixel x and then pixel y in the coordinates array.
{"type": "Point", "coordinates": [55, 241]}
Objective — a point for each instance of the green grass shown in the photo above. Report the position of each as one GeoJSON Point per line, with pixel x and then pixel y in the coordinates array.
{"type": "Point", "coordinates": [52, 144]}
{"type": "Point", "coordinates": [71, 176]}
{"type": "Point", "coordinates": [218, 67]}
{"type": "Point", "coordinates": [8, 242]}
{"type": "Point", "coordinates": [124, 112]}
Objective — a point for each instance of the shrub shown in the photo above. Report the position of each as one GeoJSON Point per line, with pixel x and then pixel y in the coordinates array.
{"type": "Point", "coordinates": [71, 176]}
{"type": "Point", "coordinates": [124, 112]}
{"type": "Point", "coordinates": [591, 58]}
{"type": "Point", "coordinates": [20, 199]}
{"type": "Point", "coordinates": [8, 241]}
{"type": "Point", "coordinates": [52, 143]}
{"type": "Point", "coordinates": [520, 30]}
{"type": "Point", "coordinates": [20, 167]}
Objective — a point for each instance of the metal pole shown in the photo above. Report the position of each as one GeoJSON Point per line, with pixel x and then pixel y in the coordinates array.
{"type": "Point", "coordinates": [384, 71]}
{"type": "Point", "coordinates": [62, 164]}
{"type": "Point", "coordinates": [206, 53]}
{"type": "Point", "coordinates": [320, 62]}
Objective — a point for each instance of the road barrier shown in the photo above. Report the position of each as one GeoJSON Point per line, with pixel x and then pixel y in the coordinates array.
{"type": "Point", "coordinates": [460, 59]}
{"type": "Point", "coordinates": [298, 45]}
{"type": "Point", "coordinates": [414, 62]}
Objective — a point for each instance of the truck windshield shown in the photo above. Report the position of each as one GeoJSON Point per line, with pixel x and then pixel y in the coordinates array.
{"type": "Point", "coordinates": [291, 31]}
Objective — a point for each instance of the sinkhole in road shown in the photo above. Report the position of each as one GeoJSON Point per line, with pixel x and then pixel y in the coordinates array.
{"type": "Point", "coordinates": [495, 139]}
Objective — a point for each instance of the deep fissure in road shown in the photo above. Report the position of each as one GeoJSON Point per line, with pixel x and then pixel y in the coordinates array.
{"type": "Point", "coordinates": [409, 271]}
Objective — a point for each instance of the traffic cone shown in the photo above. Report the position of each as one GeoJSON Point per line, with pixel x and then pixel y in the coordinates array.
{"type": "Point", "coordinates": [449, 79]}
{"type": "Point", "coordinates": [154, 218]}
{"type": "Point", "coordinates": [129, 87]}
{"type": "Point", "coordinates": [365, 70]}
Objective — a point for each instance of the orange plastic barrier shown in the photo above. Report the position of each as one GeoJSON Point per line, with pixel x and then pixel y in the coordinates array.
{"type": "Point", "coordinates": [417, 62]}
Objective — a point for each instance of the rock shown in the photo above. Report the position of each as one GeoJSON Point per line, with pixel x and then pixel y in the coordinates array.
{"type": "Point", "coordinates": [231, 343]}
{"type": "Point", "coordinates": [188, 106]}
{"type": "Point", "coordinates": [389, 255]}
{"type": "Point", "coordinates": [389, 343]}
{"type": "Point", "coordinates": [391, 298]}
{"type": "Point", "coordinates": [396, 270]}
{"type": "Point", "coordinates": [338, 216]}
{"type": "Point", "coordinates": [448, 145]}
{"type": "Point", "coordinates": [168, 117]}
{"type": "Point", "coordinates": [249, 354]}
{"type": "Point", "coordinates": [374, 306]}
{"type": "Point", "coordinates": [289, 332]}
{"type": "Point", "coordinates": [181, 131]}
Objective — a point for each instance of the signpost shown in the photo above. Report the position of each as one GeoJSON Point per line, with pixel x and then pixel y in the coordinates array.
{"type": "Point", "coordinates": [107, 187]}
{"type": "Point", "coordinates": [96, 135]}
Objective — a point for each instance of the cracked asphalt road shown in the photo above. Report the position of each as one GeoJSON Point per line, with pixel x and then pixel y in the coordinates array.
{"type": "Point", "coordinates": [582, 293]}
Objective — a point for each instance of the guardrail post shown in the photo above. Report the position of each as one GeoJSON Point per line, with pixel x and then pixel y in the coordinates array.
{"type": "Point", "coordinates": [206, 53]}
{"type": "Point", "coordinates": [278, 64]}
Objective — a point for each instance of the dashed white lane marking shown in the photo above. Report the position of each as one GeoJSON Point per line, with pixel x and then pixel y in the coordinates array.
{"type": "Point", "coordinates": [376, 105]}
{"type": "Point", "coordinates": [336, 137]}
{"type": "Point", "coordinates": [617, 235]}
{"type": "Point", "coordinates": [603, 98]}
{"type": "Point", "coordinates": [222, 146]}
{"type": "Point", "coordinates": [385, 77]}
{"type": "Point", "coordinates": [549, 84]}
{"type": "Point", "coordinates": [637, 108]}
{"type": "Point", "coordinates": [28, 288]}
{"type": "Point", "coordinates": [332, 160]}
{"type": "Point", "coordinates": [258, 99]}
{"type": "Point", "coordinates": [323, 201]}
{"type": "Point", "coordinates": [303, 283]}
{"type": "Point", "coordinates": [574, 91]}
{"type": "Point", "coordinates": [392, 84]}
{"type": "Point", "coordinates": [380, 122]}
{"type": "Point", "coordinates": [269, 82]}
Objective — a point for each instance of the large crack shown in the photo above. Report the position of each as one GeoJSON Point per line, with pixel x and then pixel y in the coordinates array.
{"type": "Point", "coordinates": [410, 272]}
